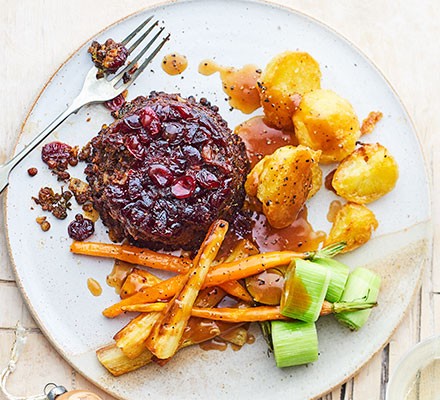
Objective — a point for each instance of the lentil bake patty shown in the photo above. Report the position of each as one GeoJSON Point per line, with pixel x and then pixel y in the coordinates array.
{"type": "Point", "coordinates": [165, 170]}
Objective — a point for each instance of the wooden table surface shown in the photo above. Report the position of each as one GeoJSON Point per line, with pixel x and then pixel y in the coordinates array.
{"type": "Point", "coordinates": [401, 37]}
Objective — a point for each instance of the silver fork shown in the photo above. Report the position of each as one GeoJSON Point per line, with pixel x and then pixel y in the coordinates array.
{"type": "Point", "coordinates": [95, 91]}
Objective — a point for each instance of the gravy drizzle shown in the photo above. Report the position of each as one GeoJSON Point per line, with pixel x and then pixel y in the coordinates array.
{"type": "Point", "coordinates": [262, 140]}
{"type": "Point", "coordinates": [239, 84]}
{"type": "Point", "coordinates": [174, 63]}
{"type": "Point", "coordinates": [94, 287]}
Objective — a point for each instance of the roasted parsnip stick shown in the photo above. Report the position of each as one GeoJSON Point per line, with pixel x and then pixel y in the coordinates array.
{"type": "Point", "coordinates": [117, 363]}
{"type": "Point", "coordinates": [167, 333]}
{"type": "Point", "coordinates": [131, 338]}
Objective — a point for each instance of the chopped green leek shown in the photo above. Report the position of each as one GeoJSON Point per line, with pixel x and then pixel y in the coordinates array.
{"type": "Point", "coordinates": [305, 286]}
{"type": "Point", "coordinates": [294, 343]}
{"type": "Point", "coordinates": [327, 252]}
{"type": "Point", "coordinates": [338, 277]}
{"type": "Point", "coordinates": [362, 286]}
{"type": "Point", "coordinates": [346, 306]}
{"type": "Point", "coordinates": [266, 330]}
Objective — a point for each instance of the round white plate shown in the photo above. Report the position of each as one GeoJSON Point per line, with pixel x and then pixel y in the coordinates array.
{"type": "Point", "coordinates": [53, 281]}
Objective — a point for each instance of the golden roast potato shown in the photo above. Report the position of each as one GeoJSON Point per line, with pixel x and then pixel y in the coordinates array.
{"type": "Point", "coordinates": [287, 77]}
{"type": "Point", "coordinates": [282, 182]}
{"type": "Point", "coordinates": [316, 179]}
{"type": "Point", "coordinates": [327, 122]}
{"type": "Point", "coordinates": [366, 174]}
{"type": "Point", "coordinates": [353, 224]}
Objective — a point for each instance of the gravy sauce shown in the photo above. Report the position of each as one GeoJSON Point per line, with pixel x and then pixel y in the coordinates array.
{"type": "Point", "coordinates": [239, 84]}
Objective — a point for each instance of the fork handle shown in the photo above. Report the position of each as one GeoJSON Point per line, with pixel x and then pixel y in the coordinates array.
{"type": "Point", "coordinates": [6, 168]}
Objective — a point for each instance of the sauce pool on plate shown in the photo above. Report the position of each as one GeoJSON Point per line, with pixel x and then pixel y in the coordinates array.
{"type": "Point", "coordinates": [118, 275]}
{"type": "Point", "coordinates": [262, 140]}
{"type": "Point", "coordinates": [94, 287]}
{"type": "Point", "coordinates": [239, 84]}
{"type": "Point", "coordinates": [299, 236]}
{"type": "Point", "coordinates": [174, 63]}
{"type": "Point", "coordinates": [333, 209]}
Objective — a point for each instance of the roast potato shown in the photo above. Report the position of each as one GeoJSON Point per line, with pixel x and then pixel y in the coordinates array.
{"type": "Point", "coordinates": [366, 174]}
{"type": "Point", "coordinates": [316, 179]}
{"type": "Point", "coordinates": [282, 182]}
{"type": "Point", "coordinates": [353, 224]}
{"type": "Point", "coordinates": [327, 122]}
{"type": "Point", "coordinates": [287, 77]}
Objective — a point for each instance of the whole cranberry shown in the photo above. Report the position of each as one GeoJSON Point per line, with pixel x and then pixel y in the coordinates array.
{"type": "Point", "coordinates": [134, 146]}
{"type": "Point", "coordinates": [183, 187]}
{"type": "Point", "coordinates": [150, 121]}
{"type": "Point", "coordinates": [133, 122]}
{"type": "Point", "coordinates": [207, 179]}
{"type": "Point", "coordinates": [81, 228]}
{"type": "Point", "coordinates": [160, 175]}
{"type": "Point", "coordinates": [55, 151]}
{"type": "Point", "coordinates": [116, 103]}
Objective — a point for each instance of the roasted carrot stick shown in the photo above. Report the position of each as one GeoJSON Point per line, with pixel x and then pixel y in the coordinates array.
{"type": "Point", "coordinates": [251, 314]}
{"type": "Point", "coordinates": [243, 249]}
{"type": "Point", "coordinates": [248, 266]}
{"type": "Point", "coordinates": [139, 279]}
{"type": "Point", "coordinates": [270, 313]}
{"type": "Point", "coordinates": [162, 291]}
{"type": "Point", "coordinates": [145, 308]}
{"type": "Point", "coordinates": [136, 280]}
{"type": "Point", "coordinates": [216, 276]}
{"type": "Point", "coordinates": [234, 289]}
{"type": "Point", "coordinates": [134, 255]}
{"type": "Point", "coordinates": [209, 297]}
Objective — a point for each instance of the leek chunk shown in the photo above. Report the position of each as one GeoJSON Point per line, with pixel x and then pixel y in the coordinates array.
{"type": "Point", "coordinates": [362, 285]}
{"type": "Point", "coordinates": [305, 287]}
{"type": "Point", "coordinates": [294, 343]}
{"type": "Point", "coordinates": [338, 277]}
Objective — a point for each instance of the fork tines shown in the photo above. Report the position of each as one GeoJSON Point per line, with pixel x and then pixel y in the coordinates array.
{"type": "Point", "coordinates": [132, 63]}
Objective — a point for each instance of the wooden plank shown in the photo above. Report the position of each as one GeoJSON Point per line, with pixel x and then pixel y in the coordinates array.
{"type": "Point", "coordinates": [427, 321]}
{"type": "Point", "coordinates": [406, 336]}
{"type": "Point", "coordinates": [337, 394]}
{"type": "Point", "coordinates": [367, 382]}
{"type": "Point", "coordinates": [436, 313]}
{"type": "Point", "coordinates": [5, 263]}
{"type": "Point", "coordinates": [13, 307]}
{"type": "Point", "coordinates": [435, 174]}
{"type": "Point", "coordinates": [343, 392]}
{"type": "Point", "coordinates": [37, 366]}
{"type": "Point", "coordinates": [79, 382]}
